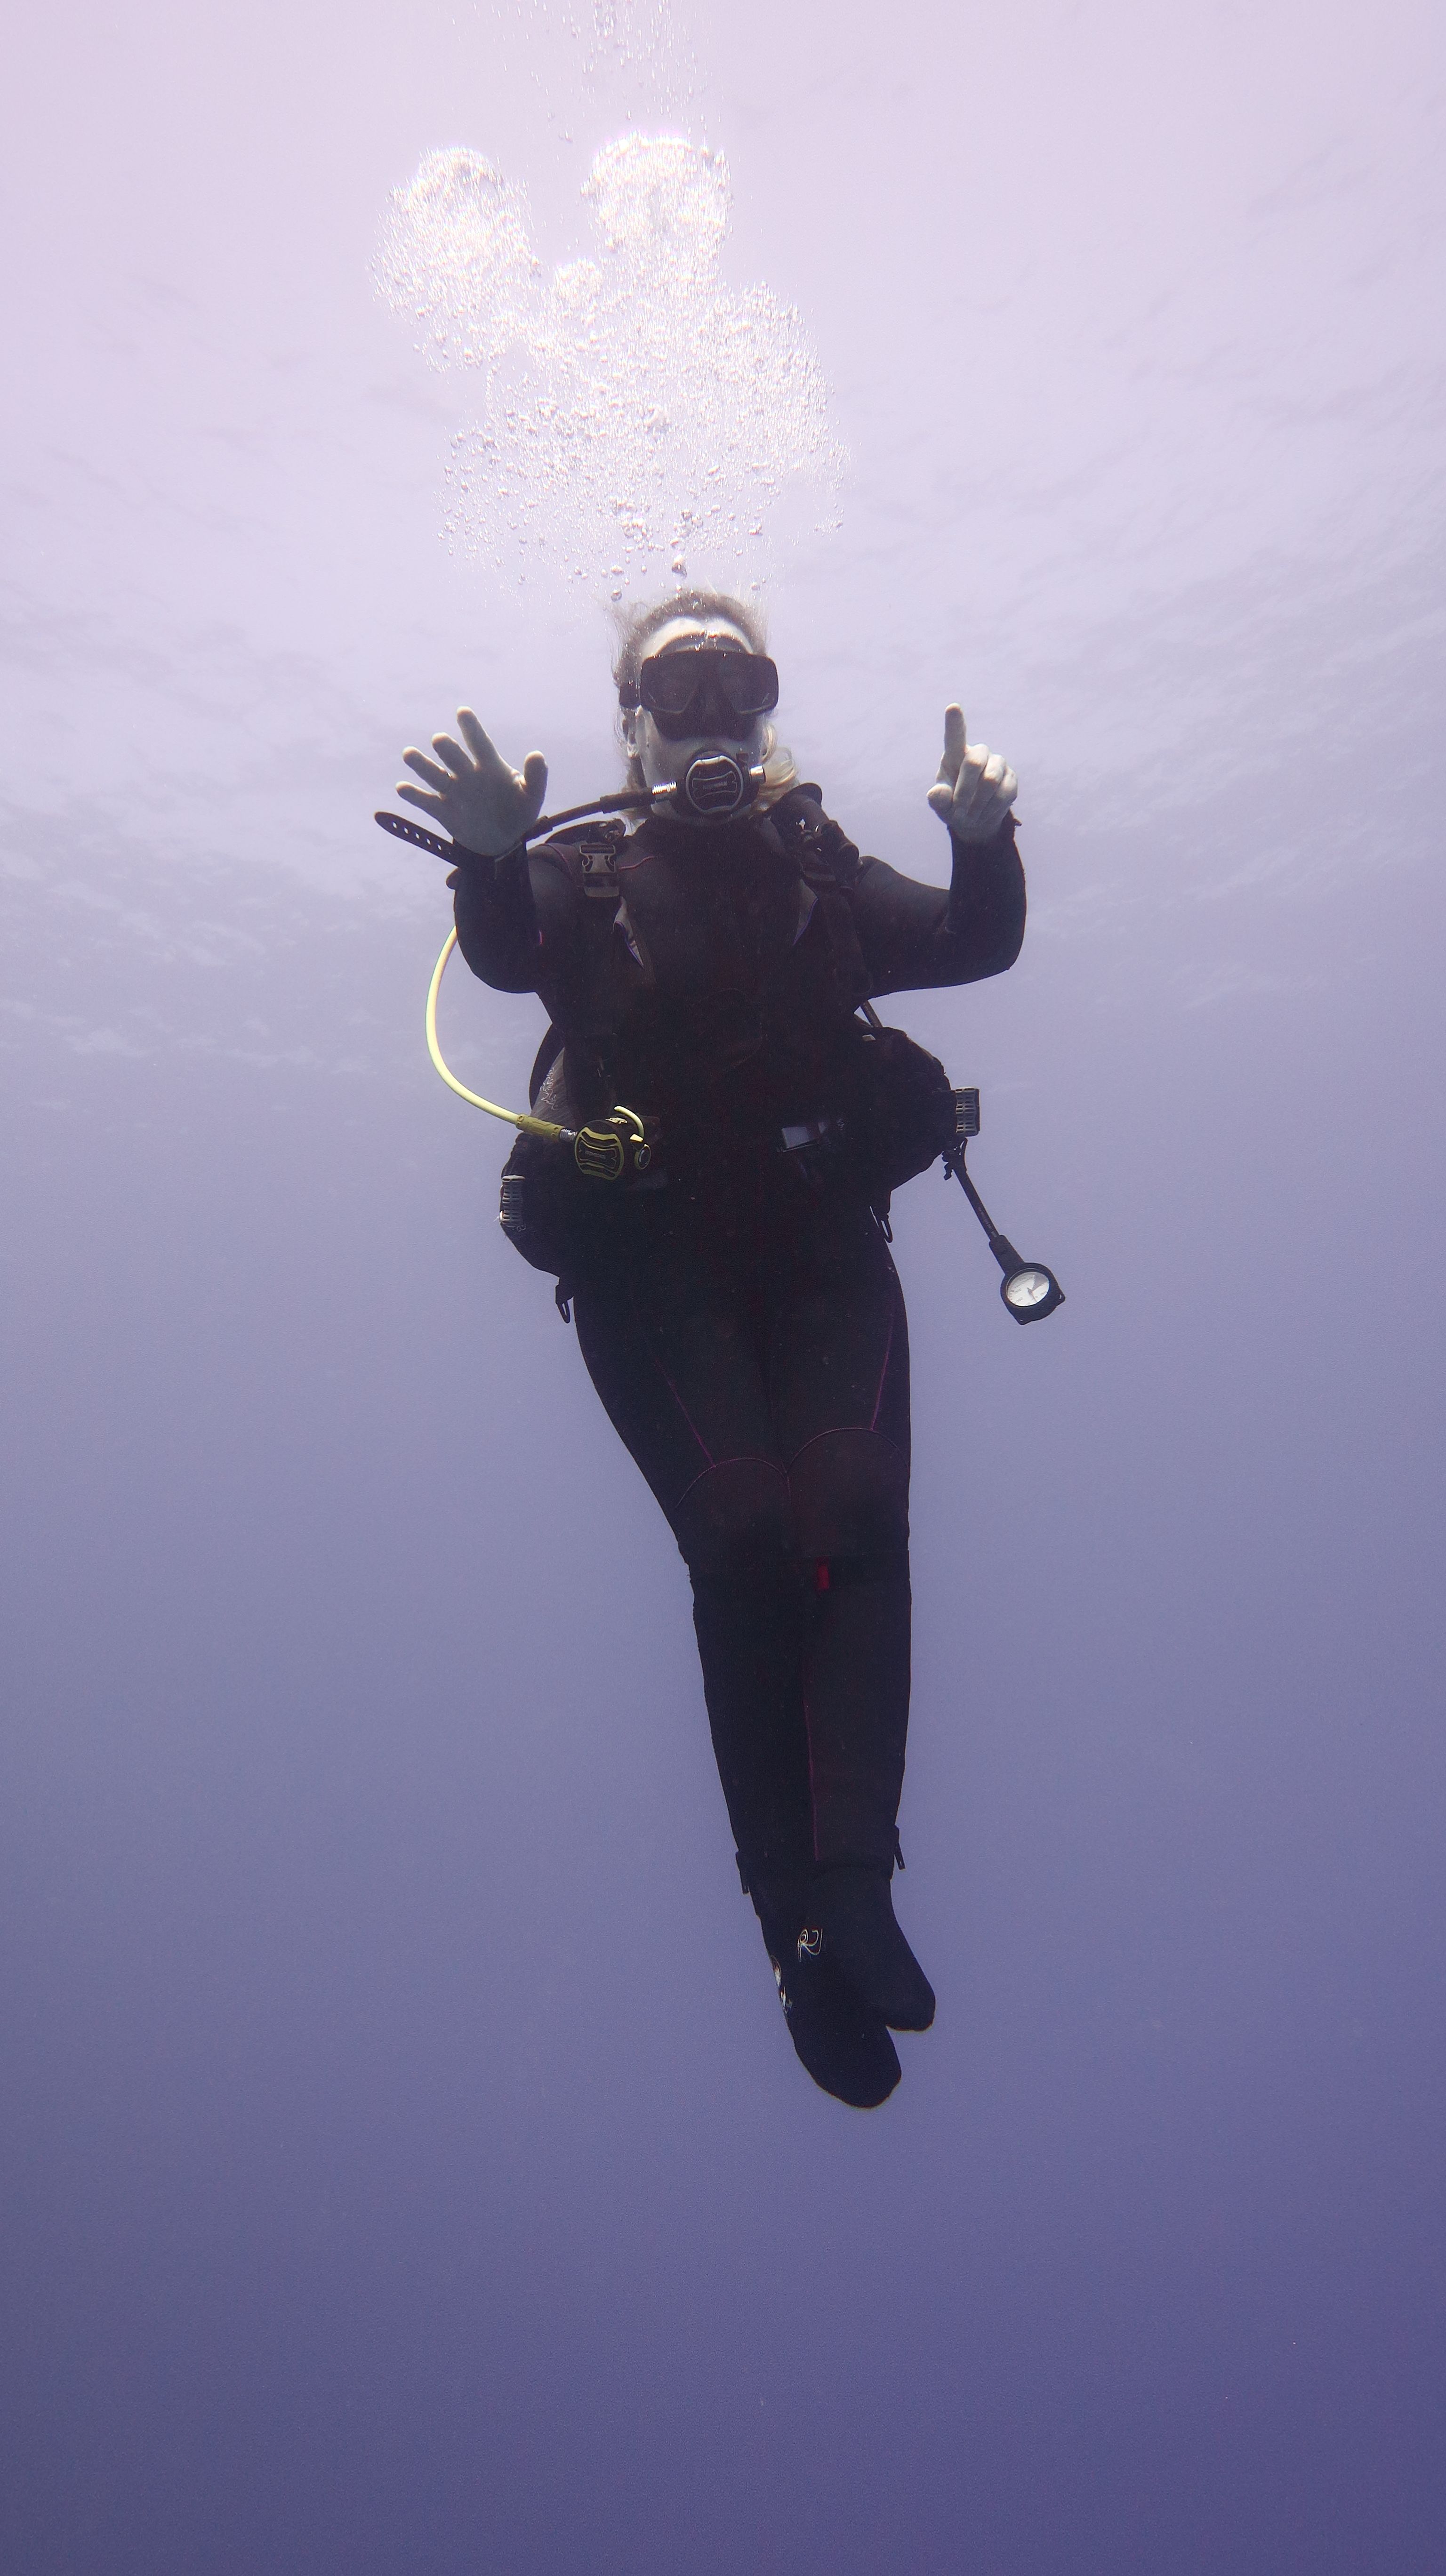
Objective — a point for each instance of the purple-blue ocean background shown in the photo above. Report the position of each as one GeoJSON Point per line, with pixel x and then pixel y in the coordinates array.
{"type": "Point", "coordinates": [404, 2164]}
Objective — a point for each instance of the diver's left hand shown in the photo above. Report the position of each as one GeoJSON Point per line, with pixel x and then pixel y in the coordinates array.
{"type": "Point", "coordinates": [975, 786]}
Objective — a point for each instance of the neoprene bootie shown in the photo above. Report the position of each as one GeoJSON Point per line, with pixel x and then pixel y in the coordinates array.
{"type": "Point", "coordinates": [845, 2049]}
{"type": "Point", "coordinates": [849, 1923]}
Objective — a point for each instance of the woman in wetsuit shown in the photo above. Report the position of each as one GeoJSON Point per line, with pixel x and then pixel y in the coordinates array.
{"type": "Point", "coordinates": [736, 1305]}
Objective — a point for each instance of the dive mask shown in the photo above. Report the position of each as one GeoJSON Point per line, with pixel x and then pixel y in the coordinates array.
{"type": "Point", "coordinates": [683, 689]}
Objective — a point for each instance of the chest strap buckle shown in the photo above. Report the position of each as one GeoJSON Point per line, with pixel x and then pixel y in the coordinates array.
{"type": "Point", "coordinates": [598, 860]}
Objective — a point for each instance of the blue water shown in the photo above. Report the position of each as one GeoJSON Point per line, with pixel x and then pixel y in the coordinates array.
{"type": "Point", "coordinates": [404, 2164]}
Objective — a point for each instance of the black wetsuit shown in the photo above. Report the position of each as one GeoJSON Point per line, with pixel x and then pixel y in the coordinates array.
{"type": "Point", "coordinates": [740, 1314]}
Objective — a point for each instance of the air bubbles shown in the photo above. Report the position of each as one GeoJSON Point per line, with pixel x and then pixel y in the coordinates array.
{"type": "Point", "coordinates": [634, 402]}
{"type": "Point", "coordinates": [455, 253]}
{"type": "Point", "coordinates": [634, 47]}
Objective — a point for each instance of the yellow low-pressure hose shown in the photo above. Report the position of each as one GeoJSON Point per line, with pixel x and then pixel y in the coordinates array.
{"type": "Point", "coordinates": [510, 1117]}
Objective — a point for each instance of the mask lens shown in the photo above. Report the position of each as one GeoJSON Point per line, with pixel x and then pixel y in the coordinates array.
{"type": "Point", "coordinates": [749, 682]}
{"type": "Point", "coordinates": [671, 685]}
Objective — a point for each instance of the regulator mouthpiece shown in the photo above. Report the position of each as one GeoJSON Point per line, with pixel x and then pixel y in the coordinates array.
{"type": "Point", "coordinates": [712, 787]}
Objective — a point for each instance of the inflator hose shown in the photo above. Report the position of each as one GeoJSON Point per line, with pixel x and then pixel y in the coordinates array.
{"type": "Point", "coordinates": [510, 1117]}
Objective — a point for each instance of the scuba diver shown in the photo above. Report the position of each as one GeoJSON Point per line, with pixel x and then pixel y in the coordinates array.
{"type": "Point", "coordinates": [712, 966]}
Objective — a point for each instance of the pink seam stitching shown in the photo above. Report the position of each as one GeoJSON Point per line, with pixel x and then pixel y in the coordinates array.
{"type": "Point", "coordinates": [682, 1408]}
{"type": "Point", "coordinates": [668, 1383]}
{"type": "Point", "coordinates": [884, 1371]}
{"type": "Point", "coordinates": [715, 1467]}
{"type": "Point", "coordinates": [840, 1431]}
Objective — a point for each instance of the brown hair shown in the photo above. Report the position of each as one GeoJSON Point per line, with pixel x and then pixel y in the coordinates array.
{"type": "Point", "coordinates": [636, 627]}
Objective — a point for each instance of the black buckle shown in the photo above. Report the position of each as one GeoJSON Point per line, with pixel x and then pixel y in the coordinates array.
{"type": "Point", "coordinates": [598, 859]}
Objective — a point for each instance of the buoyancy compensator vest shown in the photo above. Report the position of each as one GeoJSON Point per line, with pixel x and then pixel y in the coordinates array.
{"type": "Point", "coordinates": [660, 938]}
{"type": "Point", "coordinates": [893, 1122]}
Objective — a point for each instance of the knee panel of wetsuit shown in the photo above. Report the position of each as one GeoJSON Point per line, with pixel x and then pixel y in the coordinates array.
{"type": "Point", "coordinates": [850, 1493]}
{"type": "Point", "coordinates": [736, 1522]}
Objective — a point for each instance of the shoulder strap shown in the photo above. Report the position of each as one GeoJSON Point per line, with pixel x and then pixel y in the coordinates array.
{"type": "Point", "coordinates": [828, 862]}
{"type": "Point", "coordinates": [588, 855]}
{"type": "Point", "coordinates": [821, 848]}
{"type": "Point", "coordinates": [543, 1062]}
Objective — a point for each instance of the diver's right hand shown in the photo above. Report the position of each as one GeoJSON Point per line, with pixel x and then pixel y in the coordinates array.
{"type": "Point", "coordinates": [975, 786]}
{"type": "Point", "coordinates": [486, 806]}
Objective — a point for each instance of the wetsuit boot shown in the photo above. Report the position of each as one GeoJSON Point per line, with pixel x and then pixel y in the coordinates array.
{"type": "Point", "coordinates": [849, 1925]}
{"type": "Point", "coordinates": [748, 1614]}
{"type": "Point", "coordinates": [856, 1694]}
{"type": "Point", "coordinates": [845, 2048]}
{"type": "Point", "coordinates": [762, 1635]}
